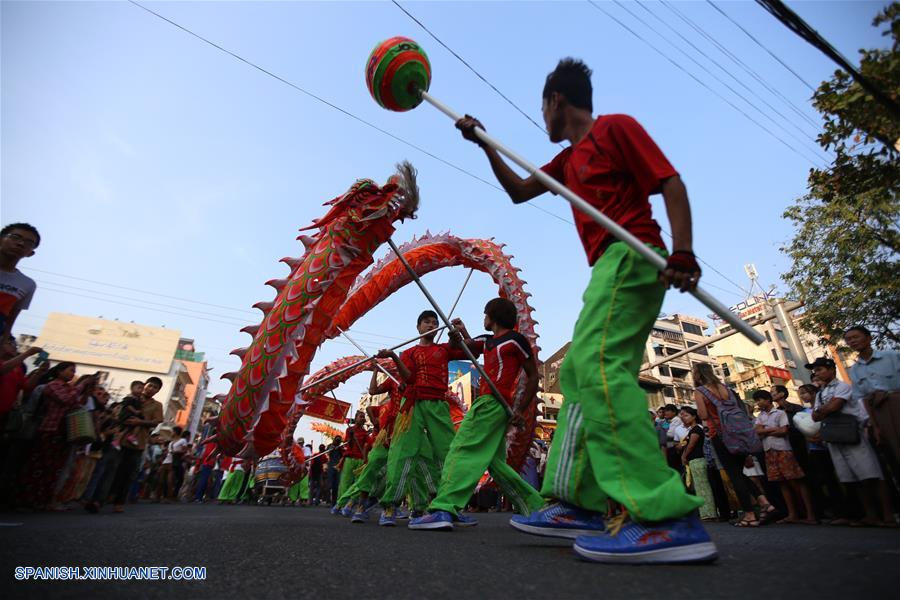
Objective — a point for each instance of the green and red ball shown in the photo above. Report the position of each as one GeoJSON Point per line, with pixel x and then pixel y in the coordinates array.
{"type": "Point", "coordinates": [397, 70]}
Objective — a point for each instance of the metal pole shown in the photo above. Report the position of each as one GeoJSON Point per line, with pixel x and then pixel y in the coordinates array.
{"type": "Point", "coordinates": [366, 354]}
{"type": "Point", "coordinates": [458, 297]}
{"type": "Point", "coordinates": [340, 371]}
{"type": "Point", "coordinates": [614, 228]}
{"type": "Point", "coordinates": [793, 338]}
{"type": "Point", "coordinates": [446, 321]}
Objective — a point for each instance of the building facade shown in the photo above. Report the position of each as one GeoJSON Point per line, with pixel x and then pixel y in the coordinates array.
{"type": "Point", "coordinates": [670, 335]}
{"type": "Point", "coordinates": [120, 353]}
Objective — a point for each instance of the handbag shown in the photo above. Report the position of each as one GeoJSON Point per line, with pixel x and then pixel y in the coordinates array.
{"type": "Point", "coordinates": [840, 429]}
{"type": "Point", "coordinates": [80, 427]}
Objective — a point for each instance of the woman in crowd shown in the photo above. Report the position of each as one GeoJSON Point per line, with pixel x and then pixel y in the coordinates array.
{"type": "Point", "coordinates": [710, 392]}
{"type": "Point", "coordinates": [695, 463]}
{"type": "Point", "coordinates": [43, 468]}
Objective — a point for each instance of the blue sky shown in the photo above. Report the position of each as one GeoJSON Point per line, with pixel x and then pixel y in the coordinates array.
{"type": "Point", "coordinates": [152, 161]}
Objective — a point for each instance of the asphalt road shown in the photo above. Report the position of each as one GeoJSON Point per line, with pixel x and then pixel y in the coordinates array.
{"type": "Point", "coordinates": [275, 552]}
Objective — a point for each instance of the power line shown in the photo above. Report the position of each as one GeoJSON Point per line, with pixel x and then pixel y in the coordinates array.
{"type": "Point", "coordinates": [739, 62]}
{"type": "Point", "coordinates": [694, 77]}
{"type": "Point", "coordinates": [131, 289]}
{"type": "Point", "coordinates": [347, 113]}
{"type": "Point", "coordinates": [493, 87]}
{"type": "Point", "coordinates": [761, 45]}
{"type": "Point", "coordinates": [804, 139]}
{"type": "Point", "coordinates": [335, 106]}
{"type": "Point", "coordinates": [470, 67]}
{"type": "Point", "coordinates": [795, 23]}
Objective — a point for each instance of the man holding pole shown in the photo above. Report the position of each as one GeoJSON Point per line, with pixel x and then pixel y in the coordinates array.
{"type": "Point", "coordinates": [604, 445]}
{"type": "Point", "coordinates": [424, 368]}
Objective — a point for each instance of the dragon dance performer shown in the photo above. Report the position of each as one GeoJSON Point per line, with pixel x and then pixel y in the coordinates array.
{"type": "Point", "coordinates": [353, 459]}
{"type": "Point", "coordinates": [480, 442]}
{"type": "Point", "coordinates": [604, 446]}
{"type": "Point", "coordinates": [424, 368]}
{"type": "Point", "coordinates": [235, 481]}
{"type": "Point", "coordinates": [372, 480]}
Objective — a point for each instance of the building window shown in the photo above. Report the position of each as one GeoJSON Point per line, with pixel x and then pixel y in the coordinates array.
{"type": "Point", "coordinates": [725, 371]}
{"type": "Point", "coordinates": [780, 335]}
{"type": "Point", "coordinates": [668, 392]}
{"type": "Point", "coordinates": [691, 328]}
{"type": "Point", "coordinates": [664, 371]}
{"type": "Point", "coordinates": [774, 354]}
{"type": "Point", "coordinates": [702, 351]}
{"type": "Point", "coordinates": [768, 337]}
{"type": "Point", "coordinates": [787, 354]}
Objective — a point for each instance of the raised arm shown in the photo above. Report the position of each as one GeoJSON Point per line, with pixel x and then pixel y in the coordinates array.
{"type": "Point", "coordinates": [519, 189]}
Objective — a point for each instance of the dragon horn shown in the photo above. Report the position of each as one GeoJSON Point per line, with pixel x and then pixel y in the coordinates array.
{"type": "Point", "coordinates": [278, 284]}
{"type": "Point", "coordinates": [230, 376]}
{"type": "Point", "coordinates": [265, 307]}
{"type": "Point", "coordinates": [291, 262]}
{"type": "Point", "coordinates": [239, 352]}
{"type": "Point", "coordinates": [251, 329]}
{"type": "Point", "coordinates": [307, 241]}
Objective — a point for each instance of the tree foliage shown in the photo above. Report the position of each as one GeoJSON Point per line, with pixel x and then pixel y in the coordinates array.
{"type": "Point", "coordinates": [846, 246]}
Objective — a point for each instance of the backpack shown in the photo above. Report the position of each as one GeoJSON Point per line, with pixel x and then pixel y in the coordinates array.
{"type": "Point", "coordinates": [737, 431]}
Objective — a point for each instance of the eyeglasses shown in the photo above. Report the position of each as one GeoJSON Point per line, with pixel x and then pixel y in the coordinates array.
{"type": "Point", "coordinates": [27, 242]}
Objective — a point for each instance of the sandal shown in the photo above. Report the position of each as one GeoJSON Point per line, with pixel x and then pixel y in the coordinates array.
{"type": "Point", "coordinates": [747, 523]}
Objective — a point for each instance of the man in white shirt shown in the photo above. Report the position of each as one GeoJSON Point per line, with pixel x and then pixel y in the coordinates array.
{"type": "Point", "coordinates": [855, 464]}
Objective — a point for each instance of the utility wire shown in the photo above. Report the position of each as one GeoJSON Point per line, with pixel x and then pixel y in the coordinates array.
{"type": "Point", "coordinates": [743, 65]}
{"type": "Point", "coordinates": [470, 67]}
{"type": "Point", "coordinates": [334, 106]}
{"type": "Point", "coordinates": [315, 97]}
{"type": "Point", "coordinates": [803, 140]}
{"type": "Point", "coordinates": [795, 23]}
{"type": "Point", "coordinates": [763, 46]}
{"type": "Point", "coordinates": [697, 79]}
{"type": "Point", "coordinates": [493, 87]}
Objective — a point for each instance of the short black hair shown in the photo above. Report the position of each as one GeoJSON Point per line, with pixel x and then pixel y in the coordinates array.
{"type": "Point", "coordinates": [25, 227]}
{"type": "Point", "coordinates": [781, 389]}
{"type": "Point", "coordinates": [572, 79]}
{"type": "Point", "coordinates": [425, 315]}
{"type": "Point", "coordinates": [155, 380]}
{"type": "Point", "coordinates": [502, 312]}
{"type": "Point", "coordinates": [860, 328]}
{"type": "Point", "coordinates": [671, 407]}
{"type": "Point", "coordinates": [690, 410]}
{"type": "Point", "coordinates": [136, 382]}
{"type": "Point", "coordinates": [762, 395]}
{"type": "Point", "coordinates": [177, 430]}
{"type": "Point", "coordinates": [809, 389]}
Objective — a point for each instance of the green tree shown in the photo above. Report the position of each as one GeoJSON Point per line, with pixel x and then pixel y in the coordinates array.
{"type": "Point", "coordinates": [847, 243]}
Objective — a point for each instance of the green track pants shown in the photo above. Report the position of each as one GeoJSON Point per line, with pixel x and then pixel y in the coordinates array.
{"type": "Point", "coordinates": [605, 445]}
{"type": "Point", "coordinates": [480, 444]}
{"type": "Point", "coordinates": [427, 424]}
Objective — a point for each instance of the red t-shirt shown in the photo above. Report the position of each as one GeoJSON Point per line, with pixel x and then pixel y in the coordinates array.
{"type": "Point", "coordinates": [10, 384]}
{"type": "Point", "coordinates": [428, 370]}
{"type": "Point", "coordinates": [356, 442]}
{"type": "Point", "coordinates": [614, 168]}
{"type": "Point", "coordinates": [503, 360]}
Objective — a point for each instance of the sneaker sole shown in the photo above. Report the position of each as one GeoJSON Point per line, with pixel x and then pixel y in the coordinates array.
{"type": "Point", "coordinates": [442, 526]}
{"type": "Point", "coordinates": [461, 524]}
{"type": "Point", "coordinates": [358, 520]}
{"type": "Point", "coordinates": [703, 552]}
{"type": "Point", "coordinates": [387, 524]}
{"type": "Point", "coordinates": [569, 534]}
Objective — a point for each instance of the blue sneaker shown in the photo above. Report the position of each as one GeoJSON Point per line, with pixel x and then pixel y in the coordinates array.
{"type": "Point", "coordinates": [387, 518]}
{"type": "Point", "coordinates": [335, 510]}
{"type": "Point", "coordinates": [464, 520]}
{"type": "Point", "coordinates": [401, 514]}
{"type": "Point", "coordinates": [347, 511]}
{"type": "Point", "coordinates": [440, 519]}
{"type": "Point", "coordinates": [560, 520]}
{"type": "Point", "coordinates": [681, 540]}
{"type": "Point", "coordinates": [360, 515]}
